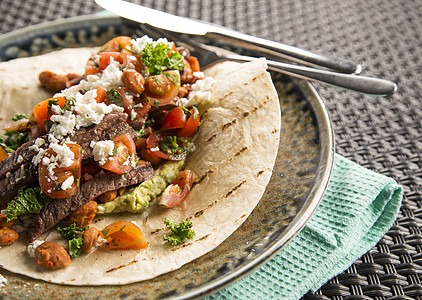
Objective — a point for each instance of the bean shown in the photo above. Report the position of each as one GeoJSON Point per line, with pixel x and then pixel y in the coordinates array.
{"type": "Point", "coordinates": [89, 238]}
{"type": "Point", "coordinates": [133, 81]}
{"type": "Point", "coordinates": [83, 215]}
{"type": "Point", "coordinates": [7, 236]}
{"type": "Point", "coordinates": [52, 256]}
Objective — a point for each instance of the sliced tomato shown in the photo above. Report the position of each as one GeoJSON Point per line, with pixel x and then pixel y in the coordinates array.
{"type": "Point", "coordinates": [191, 125]}
{"type": "Point", "coordinates": [105, 58]}
{"type": "Point", "coordinates": [167, 146]}
{"type": "Point", "coordinates": [91, 67]}
{"type": "Point", "coordinates": [130, 61]}
{"type": "Point", "coordinates": [116, 44]}
{"type": "Point", "coordinates": [176, 118]}
{"type": "Point", "coordinates": [177, 192]}
{"type": "Point", "coordinates": [151, 157]}
{"type": "Point", "coordinates": [51, 182]}
{"type": "Point", "coordinates": [124, 235]}
{"type": "Point", "coordinates": [121, 160]}
{"type": "Point", "coordinates": [162, 88]}
{"type": "Point", "coordinates": [3, 154]}
{"type": "Point", "coordinates": [42, 111]}
{"type": "Point", "coordinates": [101, 94]}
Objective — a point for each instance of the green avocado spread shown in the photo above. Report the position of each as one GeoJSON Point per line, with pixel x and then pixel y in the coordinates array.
{"type": "Point", "coordinates": [136, 199]}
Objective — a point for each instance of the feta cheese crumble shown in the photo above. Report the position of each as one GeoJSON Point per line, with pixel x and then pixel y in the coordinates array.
{"type": "Point", "coordinates": [102, 150]}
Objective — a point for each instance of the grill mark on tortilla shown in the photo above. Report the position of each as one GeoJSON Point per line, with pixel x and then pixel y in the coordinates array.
{"type": "Point", "coordinates": [211, 137]}
{"type": "Point", "coordinates": [260, 173]}
{"type": "Point", "coordinates": [122, 266]}
{"type": "Point", "coordinates": [227, 125]}
{"type": "Point", "coordinates": [275, 130]}
{"type": "Point", "coordinates": [234, 189]}
{"type": "Point", "coordinates": [156, 230]}
{"type": "Point", "coordinates": [191, 243]}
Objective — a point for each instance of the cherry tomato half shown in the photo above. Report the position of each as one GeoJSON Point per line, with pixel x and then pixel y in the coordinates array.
{"type": "Point", "coordinates": [162, 88]}
{"type": "Point", "coordinates": [121, 160]}
{"type": "Point", "coordinates": [191, 125]}
{"type": "Point", "coordinates": [167, 146]}
{"type": "Point", "coordinates": [3, 154]}
{"type": "Point", "coordinates": [176, 118]}
{"type": "Point", "coordinates": [42, 111]}
{"type": "Point", "coordinates": [124, 235]}
{"type": "Point", "coordinates": [52, 184]}
{"type": "Point", "coordinates": [116, 44]}
{"type": "Point", "coordinates": [177, 192]}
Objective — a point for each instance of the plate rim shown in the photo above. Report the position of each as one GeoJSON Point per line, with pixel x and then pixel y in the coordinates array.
{"type": "Point", "coordinates": [325, 164]}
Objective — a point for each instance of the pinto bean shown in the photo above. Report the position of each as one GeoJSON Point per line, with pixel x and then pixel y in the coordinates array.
{"type": "Point", "coordinates": [52, 256]}
{"type": "Point", "coordinates": [133, 81]}
{"type": "Point", "coordinates": [4, 223]}
{"type": "Point", "coordinates": [107, 197]}
{"type": "Point", "coordinates": [7, 236]}
{"type": "Point", "coordinates": [89, 238]}
{"type": "Point", "coordinates": [52, 81]}
{"type": "Point", "coordinates": [183, 91]}
{"type": "Point", "coordinates": [83, 216]}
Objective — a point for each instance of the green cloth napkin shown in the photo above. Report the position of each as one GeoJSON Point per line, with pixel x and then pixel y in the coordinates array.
{"type": "Point", "coordinates": [357, 209]}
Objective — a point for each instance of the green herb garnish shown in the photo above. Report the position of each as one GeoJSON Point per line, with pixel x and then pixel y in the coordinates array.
{"type": "Point", "coordinates": [13, 139]}
{"type": "Point", "coordinates": [71, 232]}
{"type": "Point", "coordinates": [174, 146]}
{"type": "Point", "coordinates": [20, 117]}
{"type": "Point", "coordinates": [73, 235]}
{"type": "Point", "coordinates": [28, 201]}
{"type": "Point", "coordinates": [180, 232]}
{"type": "Point", "coordinates": [160, 57]}
{"type": "Point", "coordinates": [114, 97]}
{"type": "Point", "coordinates": [75, 247]}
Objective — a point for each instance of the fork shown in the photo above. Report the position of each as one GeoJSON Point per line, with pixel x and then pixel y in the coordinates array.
{"type": "Point", "coordinates": [208, 55]}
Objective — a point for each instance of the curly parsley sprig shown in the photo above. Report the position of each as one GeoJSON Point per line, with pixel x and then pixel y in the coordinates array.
{"type": "Point", "coordinates": [180, 232]}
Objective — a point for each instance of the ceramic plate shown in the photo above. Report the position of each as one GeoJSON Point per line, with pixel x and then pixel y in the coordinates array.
{"type": "Point", "coordinates": [300, 177]}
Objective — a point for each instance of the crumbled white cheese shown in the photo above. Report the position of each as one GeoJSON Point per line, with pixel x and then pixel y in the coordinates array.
{"type": "Point", "coordinates": [198, 74]}
{"type": "Point", "coordinates": [67, 183]}
{"type": "Point", "coordinates": [102, 150]}
{"type": "Point", "coordinates": [63, 124]}
{"type": "Point", "coordinates": [30, 249]}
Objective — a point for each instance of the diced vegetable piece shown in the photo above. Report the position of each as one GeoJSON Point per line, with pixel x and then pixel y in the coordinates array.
{"type": "Point", "coordinates": [167, 146]}
{"type": "Point", "coordinates": [176, 118]}
{"type": "Point", "coordinates": [116, 44]}
{"type": "Point", "coordinates": [60, 181]}
{"type": "Point", "coordinates": [162, 88]}
{"type": "Point", "coordinates": [105, 58]}
{"type": "Point", "coordinates": [124, 235]}
{"type": "Point", "coordinates": [43, 112]}
{"type": "Point", "coordinates": [191, 125]}
{"type": "Point", "coordinates": [121, 160]}
{"type": "Point", "coordinates": [3, 154]}
{"type": "Point", "coordinates": [177, 192]}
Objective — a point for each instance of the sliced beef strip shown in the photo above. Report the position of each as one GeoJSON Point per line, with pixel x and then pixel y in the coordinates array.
{"type": "Point", "coordinates": [112, 125]}
{"type": "Point", "coordinates": [59, 209]}
{"type": "Point", "coordinates": [25, 175]}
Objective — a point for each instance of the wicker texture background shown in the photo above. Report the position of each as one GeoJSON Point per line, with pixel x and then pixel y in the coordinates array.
{"type": "Point", "coordinates": [382, 134]}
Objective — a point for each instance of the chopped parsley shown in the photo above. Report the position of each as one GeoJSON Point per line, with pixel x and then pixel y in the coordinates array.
{"type": "Point", "coordinates": [114, 97]}
{"type": "Point", "coordinates": [174, 146]}
{"type": "Point", "coordinates": [180, 232]}
{"type": "Point", "coordinates": [28, 201]}
{"type": "Point", "coordinates": [73, 235]}
{"type": "Point", "coordinates": [160, 57]}
{"type": "Point", "coordinates": [13, 139]}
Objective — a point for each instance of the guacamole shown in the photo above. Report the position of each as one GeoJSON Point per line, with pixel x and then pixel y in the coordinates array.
{"type": "Point", "coordinates": [136, 199]}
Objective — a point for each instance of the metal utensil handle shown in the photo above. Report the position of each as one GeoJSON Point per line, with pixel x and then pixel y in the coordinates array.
{"type": "Point", "coordinates": [279, 50]}
{"type": "Point", "coordinates": [357, 83]}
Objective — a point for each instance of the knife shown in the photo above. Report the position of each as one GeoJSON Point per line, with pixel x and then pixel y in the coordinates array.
{"type": "Point", "coordinates": [262, 46]}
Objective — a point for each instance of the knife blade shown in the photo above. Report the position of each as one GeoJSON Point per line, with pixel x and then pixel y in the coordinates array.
{"type": "Point", "coordinates": [274, 50]}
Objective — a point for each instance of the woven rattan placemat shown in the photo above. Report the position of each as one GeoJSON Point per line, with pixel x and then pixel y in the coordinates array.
{"type": "Point", "coordinates": [382, 134]}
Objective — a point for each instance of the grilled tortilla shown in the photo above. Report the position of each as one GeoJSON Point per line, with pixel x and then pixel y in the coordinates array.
{"type": "Point", "coordinates": [233, 157]}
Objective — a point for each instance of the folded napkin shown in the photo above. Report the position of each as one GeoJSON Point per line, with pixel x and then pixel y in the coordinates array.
{"type": "Point", "coordinates": [357, 209]}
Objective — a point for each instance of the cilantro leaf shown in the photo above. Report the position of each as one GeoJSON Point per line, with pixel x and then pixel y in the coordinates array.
{"type": "Point", "coordinates": [13, 140]}
{"type": "Point", "coordinates": [160, 57]}
{"type": "Point", "coordinates": [20, 117]}
{"type": "Point", "coordinates": [28, 201]}
{"type": "Point", "coordinates": [180, 231]}
{"type": "Point", "coordinates": [114, 97]}
{"type": "Point", "coordinates": [71, 232]}
{"type": "Point", "coordinates": [75, 247]}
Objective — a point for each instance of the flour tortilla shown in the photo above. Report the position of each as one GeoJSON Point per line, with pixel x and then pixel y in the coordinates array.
{"type": "Point", "coordinates": [235, 151]}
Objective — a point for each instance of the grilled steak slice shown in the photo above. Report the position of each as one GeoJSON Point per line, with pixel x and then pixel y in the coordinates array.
{"type": "Point", "coordinates": [59, 209]}
{"type": "Point", "coordinates": [14, 178]}
{"type": "Point", "coordinates": [26, 175]}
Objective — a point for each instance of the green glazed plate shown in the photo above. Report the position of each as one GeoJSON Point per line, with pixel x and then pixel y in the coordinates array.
{"type": "Point", "coordinates": [300, 177]}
